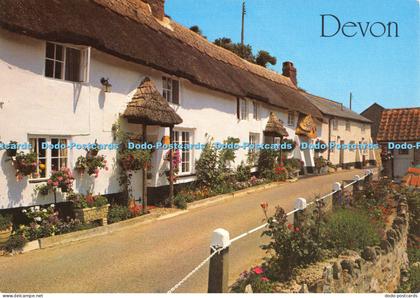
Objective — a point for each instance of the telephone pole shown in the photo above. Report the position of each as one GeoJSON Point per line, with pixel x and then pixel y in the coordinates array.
{"type": "Point", "coordinates": [351, 98]}
{"type": "Point", "coordinates": [243, 22]}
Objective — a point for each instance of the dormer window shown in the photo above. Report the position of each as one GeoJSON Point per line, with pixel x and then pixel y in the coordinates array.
{"type": "Point", "coordinates": [170, 90]}
{"type": "Point", "coordinates": [66, 62]}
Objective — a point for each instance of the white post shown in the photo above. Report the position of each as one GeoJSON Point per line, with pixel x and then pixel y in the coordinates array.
{"type": "Point", "coordinates": [300, 204]}
{"type": "Point", "coordinates": [219, 263]}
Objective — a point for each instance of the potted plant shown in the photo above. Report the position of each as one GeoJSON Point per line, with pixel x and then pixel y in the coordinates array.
{"type": "Point", "coordinates": [90, 208]}
{"type": "Point", "coordinates": [321, 165]}
{"type": "Point", "coordinates": [5, 228]}
{"type": "Point", "coordinates": [12, 150]}
{"type": "Point", "coordinates": [62, 179]}
{"type": "Point", "coordinates": [134, 160]}
{"type": "Point", "coordinates": [25, 164]}
{"type": "Point", "coordinates": [91, 163]}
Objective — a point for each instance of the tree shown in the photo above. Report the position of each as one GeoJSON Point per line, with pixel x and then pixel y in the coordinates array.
{"type": "Point", "coordinates": [264, 57]}
{"type": "Point", "coordinates": [245, 52]}
{"type": "Point", "coordinates": [197, 30]}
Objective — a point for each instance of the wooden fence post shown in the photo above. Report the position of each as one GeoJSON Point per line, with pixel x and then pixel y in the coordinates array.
{"type": "Point", "coordinates": [298, 216]}
{"type": "Point", "coordinates": [337, 196]}
{"type": "Point", "coordinates": [219, 263]}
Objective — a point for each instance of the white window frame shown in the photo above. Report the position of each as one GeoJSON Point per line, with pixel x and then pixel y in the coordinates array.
{"type": "Point", "coordinates": [291, 118]}
{"type": "Point", "coordinates": [243, 109]}
{"type": "Point", "coordinates": [254, 138]}
{"type": "Point", "coordinates": [334, 124]}
{"type": "Point", "coordinates": [168, 90]}
{"type": "Point", "coordinates": [178, 139]}
{"type": "Point", "coordinates": [348, 125]}
{"type": "Point", "coordinates": [256, 110]}
{"type": "Point", "coordinates": [48, 154]}
{"type": "Point", "coordinates": [84, 67]}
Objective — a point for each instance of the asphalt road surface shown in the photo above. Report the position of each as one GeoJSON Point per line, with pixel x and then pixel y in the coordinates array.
{"type": "Point", "coordinates": [155, 256]}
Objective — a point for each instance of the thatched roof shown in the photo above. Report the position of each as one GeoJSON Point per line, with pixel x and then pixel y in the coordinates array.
{"type": "Point", "coordinates": [126, 29]}
{"type": "Point", "coordinates": [275, 127]}
{"type": "Point", "coordinates": [149, 107]}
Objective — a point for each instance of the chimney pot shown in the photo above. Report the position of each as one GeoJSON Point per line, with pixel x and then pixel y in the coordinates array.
{"type": "Point", "coordinates": [157, 7]}
{"type": "Point", "coordinates": [290, 71]}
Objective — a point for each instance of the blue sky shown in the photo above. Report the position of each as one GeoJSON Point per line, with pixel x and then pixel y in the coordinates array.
{"type": "Point", "coordinates": [382, 70]}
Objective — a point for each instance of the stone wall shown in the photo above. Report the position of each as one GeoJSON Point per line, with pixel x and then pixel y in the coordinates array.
{"type": "Point", "coordinates": [376, 270]}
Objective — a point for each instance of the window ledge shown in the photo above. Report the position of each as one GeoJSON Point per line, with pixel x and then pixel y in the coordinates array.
{"type": "Point", "coordinates": [40, 180]}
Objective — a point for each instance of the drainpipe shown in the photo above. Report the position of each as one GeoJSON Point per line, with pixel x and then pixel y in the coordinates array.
{"type": "Point", "coordinates": [329, 138]}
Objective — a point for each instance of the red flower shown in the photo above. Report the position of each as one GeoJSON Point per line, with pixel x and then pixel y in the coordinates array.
{"type": "Point", "coordinates": [264, 278]}
{"type": "Point", "coordinates": [296, 229]}
{"type": "Point", "coordinates": [258, 270]}
{"type": "Point", "coordinates": [289, 226]}
{"type": "Point", "coordinates": [264, 205]}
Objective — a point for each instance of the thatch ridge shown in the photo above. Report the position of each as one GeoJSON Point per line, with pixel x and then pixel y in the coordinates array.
{"type": "Point", "coordinates": [148, 106]}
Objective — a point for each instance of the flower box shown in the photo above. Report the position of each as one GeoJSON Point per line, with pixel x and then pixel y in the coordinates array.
{"type": "Point", "coordinates": [92, 214]}
{"type": "Point", "coordinates": [4, 235]}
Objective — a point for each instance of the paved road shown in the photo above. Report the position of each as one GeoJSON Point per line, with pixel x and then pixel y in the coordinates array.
{"type": "Point", "coordinates": [154, 257]}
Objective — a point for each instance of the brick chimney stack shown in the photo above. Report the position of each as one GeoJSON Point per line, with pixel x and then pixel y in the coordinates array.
{"type": "Point", "coordinates": [157, 7]}
{"type": "Point", "coordinates": [290, 71]}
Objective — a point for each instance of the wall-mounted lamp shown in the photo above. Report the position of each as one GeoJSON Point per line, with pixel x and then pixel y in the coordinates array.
{"type": "Point", "coordinates": [106, 84]}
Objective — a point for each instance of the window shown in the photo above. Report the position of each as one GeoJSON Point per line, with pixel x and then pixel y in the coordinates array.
{"type": "Point", "coordinates": [254, 139]}
{"type": "Point", "coordinates": [184, 138]}
{"type": "Point", "coordinates": [363, 128]}
{"type": "Point", "coordinates": [352, 146]}
{"type": "Point", "coordinates": [67, 63]}
{"type": "Point", "coordinates": [170, 90]}
{"type": "Point", "coordinates": [291, 118]}
{"type": "Point", "coordinates": [242, 109]}
{"type": "Point", "coordinates": [335, 124]}
{"type": "Point", "coordinates": [49, 160]}
{"type": "Point", "coordinates": [348, 125]}
{"type": "Point", "coordinates": [256, 110]}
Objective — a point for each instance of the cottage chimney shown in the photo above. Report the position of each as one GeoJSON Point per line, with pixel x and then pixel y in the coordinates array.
{"type": "Point", "coordinates": [290, 71]}
{"type": "Point", "coordinates": [157, 7]}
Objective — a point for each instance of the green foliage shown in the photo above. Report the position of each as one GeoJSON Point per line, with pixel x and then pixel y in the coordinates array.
{"type": "Point", "coordinates": [207, 166]}
{"type": "Point", "coordinates": [255, 277]}
{"type": "Point", "coordinates": [245, 51]}
{"type": "Point", "coordinates": [15, 242]}
{"type": "Point", "coordinates": [80, 201]}
{"type": "Point", "coordinates": [5, 221]}
{"type": "Point", "coordinates": [243, 172]}
{"type": "Point", "coordinates": [292, 164]}
{"type": "Point", "coordinates": [25, 164]}
{"type": "Point", "coordinates": [350, 229]}
{"type": "Point", "coordinates": [118, 213]}
{"type": "Point", "coordinates": [180, 202]}
{"type": "Point", "coordinates": [197, 29]}
{"type": "Point", "coordinates": [266, 163]}
{"type": "Point", "coordinates": [263, 58]}
{"type": "Point", "coordinates": [290, 247]}
{"type": "Point", "coordinates": [90, 163]}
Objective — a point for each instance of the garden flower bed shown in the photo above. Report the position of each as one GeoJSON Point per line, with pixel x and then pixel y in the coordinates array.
{"type": "Point", "coordinates": [335, 245]}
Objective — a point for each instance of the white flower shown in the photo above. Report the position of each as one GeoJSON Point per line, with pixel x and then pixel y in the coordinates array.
{"type": "Point", "coordinates": [44, 210]}
{"type": "Point", "coordinates": [52, 205]}
{"type": "Point", "coordinates": [32, 209]}
{"type": "Point", "coordinates": [38, 219]}
{"type": "Point", "coordinates": [24, 211]}
{"type": "Point", "coordinates": [36, 208]}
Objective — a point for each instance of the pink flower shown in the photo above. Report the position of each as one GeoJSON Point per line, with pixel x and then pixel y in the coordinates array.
{"type": "Point", "coordinates": [96, 171]}
{"type": "Point", "coordinates": [55, 183]}
{"type": "Point", "coordinates": [49, 181]}
{"type": "Point", "coordinates": [258, 270]}
{"type": "Point", "coordinates": [264, 278]}
{"type": "Point", "coordinates": [106, 169]}
{"type": "Point", "coordinates": [59, 178]}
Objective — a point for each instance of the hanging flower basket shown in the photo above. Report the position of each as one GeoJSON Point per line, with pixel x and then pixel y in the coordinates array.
{"type": "Point", "coordinates": [290, 145]}
{"type": "Point", "coordinates": [25, 164]}
{"type": "Point", "coordinates": [12, 150]}
{"type": "Point", "coordinates": [135, 160]}
{"type": "Point", "coordinates": [320, 146]}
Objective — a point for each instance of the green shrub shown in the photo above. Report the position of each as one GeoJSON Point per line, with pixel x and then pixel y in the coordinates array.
{"type": "Point", "coordinates": [267, 160]}
{"type": "Point", "coordinates": [243, 172]}
{"type": "Point", "coordinates": [255, 277]}
{"type": "Point", "coordinates": [118, 213]}
{"type": "Point", "coordinates": [180, 201]}
{"type": "Point", "coordinates": [207, 166]}
{"type": "Point", "coordinates": [15, 242]}
{"type": "Point", "coordinates": [350, 229]}
{"type": "Point", "coordinates": [5, 221]}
